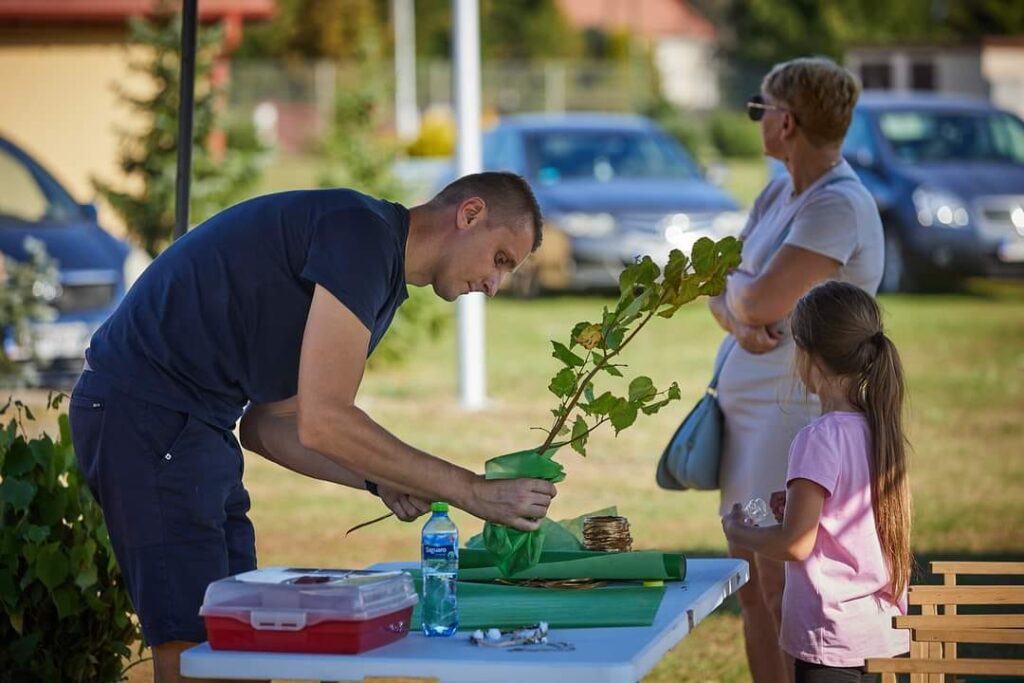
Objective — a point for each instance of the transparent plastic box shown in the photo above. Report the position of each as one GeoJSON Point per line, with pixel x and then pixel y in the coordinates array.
{"type": "Point", "coordinates": [281, 609]}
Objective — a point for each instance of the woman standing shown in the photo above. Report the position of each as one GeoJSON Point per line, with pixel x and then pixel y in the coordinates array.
{"type": "Point", "coordinates": [816, 223]}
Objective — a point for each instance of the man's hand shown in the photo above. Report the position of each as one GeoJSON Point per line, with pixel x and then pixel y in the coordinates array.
{"type": "Point", "coordinates": [755, 340]}
{"type": "Point", "coordinates": [407, 508]}
{"type": "Point", "coordinates": [516, 503]}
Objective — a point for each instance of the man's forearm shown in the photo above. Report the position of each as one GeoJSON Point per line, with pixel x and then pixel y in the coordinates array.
{"type": "Point", "coordinates": [349, 437]}
{"type": "Point", "coordinates": [273, 434]}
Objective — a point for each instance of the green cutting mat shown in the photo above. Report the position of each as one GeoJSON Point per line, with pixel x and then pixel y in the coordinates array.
{"type": "Point", "coordinates": [485, 605]}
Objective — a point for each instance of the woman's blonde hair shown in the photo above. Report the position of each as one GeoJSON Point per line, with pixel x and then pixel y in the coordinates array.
{"type": "Point", "coordinates": [840, 325]}
{"type": "Point", "coordinates": [820, 92]}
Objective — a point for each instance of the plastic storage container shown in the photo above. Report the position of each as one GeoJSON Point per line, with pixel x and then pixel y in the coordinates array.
{"type": "Point", "coordinates": [335, 611]}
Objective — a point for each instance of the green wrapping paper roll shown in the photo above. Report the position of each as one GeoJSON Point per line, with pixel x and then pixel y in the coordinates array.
{"type": "Point", "coordinates": [644, 565]}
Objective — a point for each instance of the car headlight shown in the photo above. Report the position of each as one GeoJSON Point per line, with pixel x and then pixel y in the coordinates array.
{"type": "Point", "coordinates": [580, 224]}
{"type": "Point", "coordinates": [940, 207]}
{"type": "Point", "coordinates": [136, 262]}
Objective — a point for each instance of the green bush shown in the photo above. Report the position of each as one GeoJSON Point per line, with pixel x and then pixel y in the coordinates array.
{"type": "Point", "coordinates": [735, 136]}
{"type": "Point", "coordinates": [67, 615]}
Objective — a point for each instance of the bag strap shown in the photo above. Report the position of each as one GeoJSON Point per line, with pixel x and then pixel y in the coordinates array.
{"type": "Point", "coordinates": [775, 247]}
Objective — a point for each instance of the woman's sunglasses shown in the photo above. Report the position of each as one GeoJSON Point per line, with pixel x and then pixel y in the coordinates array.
{"type": "Point", "coordinates": [756, 108]}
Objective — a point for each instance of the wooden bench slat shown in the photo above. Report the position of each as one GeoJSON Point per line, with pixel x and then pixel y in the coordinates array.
{"type": "Point", "coordinates": [986, 667]}
{"type": "Point", "coordinates": [1009, 636]}
{"type": "Point", "coordinates": [966, 595]}
{"type": "Point", "coordinates": [959, 621]}
{"type": "Point", "coordinates": [977, 568]}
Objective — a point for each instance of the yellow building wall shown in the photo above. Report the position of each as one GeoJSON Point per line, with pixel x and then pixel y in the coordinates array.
{"type": "Point", "coordinates": [59, 103]}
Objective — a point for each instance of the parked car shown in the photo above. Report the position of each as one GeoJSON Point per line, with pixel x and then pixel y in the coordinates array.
{"type": "Point", "coordinates": [94, 267]}
{"type": "Point", "coordinates": [948, 176]}
{"type": "Point", "coordinates": [611, 187]}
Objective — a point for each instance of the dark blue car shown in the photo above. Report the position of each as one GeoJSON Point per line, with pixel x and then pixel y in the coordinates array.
{"type": "Point", "coordinates": [94, 267]}
{"type": "Point", "coordinates": [611, 187]}
{"type": "Point", "coordinates": [948, 176]}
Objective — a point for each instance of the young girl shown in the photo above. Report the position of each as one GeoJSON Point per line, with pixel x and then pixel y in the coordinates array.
{"type": "Point", "coordinates": [845, 533]}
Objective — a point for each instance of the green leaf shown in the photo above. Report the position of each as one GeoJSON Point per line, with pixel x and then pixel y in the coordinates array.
{"type": "Point", "coordinates": [565, 355]}
{"type": "Point", "coordinates": [647, 271]}
{"type": "Point", "coordinates": [676, 266]}
{"type": "Point", "coordinates": [8, 590]}
{"type": "Point", "coordinates": [603, 404]}
{"type": "Point", "coordinates": [564, 383]}
{"type": "Point", "coordinates": [52, 566]}
{"type": "Point", "coordinates": [579, 436]}
{"type": "Point", "coordinates": [65, 428]}
{"type": "Point", "coordinates": [703, 255]}
{"type": "Point", "coordinates": [673, 392]}
{"type": "Point", "coordinates": [622, 415]}
{"type": "Point", "coordinates": [49, 507]}
{"type": "Point", "coordinates": [17, 493]}
{"type": "Point", "coordinates": [588, 392]}
{"type": "Point", "coordinates": [22, 649]}
{"type": "Point", "coordinates": [36, 534]}
{"type": "Point", "coordinates": [41, 449]}
{"type": "Point", "coordinates": [19, 459]}
{"type": "Point", "coordinates": [641, 390]}
{"type": "Point", "coordinates": [87, 577]}
{"type": "Point", "coordinates": [627, 278]}
{"type": "Point", "coordinates": [68, 602]}
{"type": "Point", "coordinates": [576, 333]}
{"type": "Point", "coordinates": [614, 338]}
{"type": "Point", "coordinates": [612, 370]}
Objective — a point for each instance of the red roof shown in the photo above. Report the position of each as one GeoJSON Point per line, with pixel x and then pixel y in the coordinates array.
{"type": "Point", "coordinates": [118, 10]}
{"type": "Point", "coordinates": [647, 18]}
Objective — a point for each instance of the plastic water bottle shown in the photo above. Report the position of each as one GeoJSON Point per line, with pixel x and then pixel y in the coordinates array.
{"type": "Point", "coordinates": [440, 566]}
{"type": "Point", "coordinates": [757, 511]}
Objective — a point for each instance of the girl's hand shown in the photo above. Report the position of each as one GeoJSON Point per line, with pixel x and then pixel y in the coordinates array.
{"type": "Point", "coordinates": [733, 521]}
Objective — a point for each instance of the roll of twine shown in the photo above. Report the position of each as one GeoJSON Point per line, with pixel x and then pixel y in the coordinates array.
{"type": "Point", "coordinates": [609, 534]}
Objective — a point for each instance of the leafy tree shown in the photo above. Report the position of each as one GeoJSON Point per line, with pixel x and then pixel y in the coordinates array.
{"type": "Point", "coordinates": [316, 28]}
{"type": "Point", "coordinates": [149, 155]}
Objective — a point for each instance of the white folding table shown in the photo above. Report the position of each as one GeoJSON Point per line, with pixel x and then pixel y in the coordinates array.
{"type": "Point", "coordinates": [600, 655]}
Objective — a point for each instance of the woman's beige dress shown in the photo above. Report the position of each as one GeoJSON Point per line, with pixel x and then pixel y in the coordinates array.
{"type": "Point", "coordinates": [763, 402]}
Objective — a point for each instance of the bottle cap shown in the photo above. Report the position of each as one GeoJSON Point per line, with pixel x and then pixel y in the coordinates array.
{"type": "Point", "coordinates": [439, 507]}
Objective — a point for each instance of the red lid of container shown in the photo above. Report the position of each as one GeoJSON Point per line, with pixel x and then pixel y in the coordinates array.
{"type": "Point", "coordinates": [289, 599]}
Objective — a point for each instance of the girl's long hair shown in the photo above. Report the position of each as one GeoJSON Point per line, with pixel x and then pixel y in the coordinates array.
{"type": "Point", "coordinates": [839, 326]}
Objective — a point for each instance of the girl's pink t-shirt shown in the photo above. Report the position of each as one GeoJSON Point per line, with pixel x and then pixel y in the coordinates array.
{"type": "Point", "coordinates": [835, 609]}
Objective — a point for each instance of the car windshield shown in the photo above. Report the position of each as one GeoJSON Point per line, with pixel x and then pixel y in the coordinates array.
{"type": "Point", "coordinates": [927, 136]}
{"type": "Point", "coordinates": [605, 155]}
{"type": "Point", "coordinates": [29, 195]}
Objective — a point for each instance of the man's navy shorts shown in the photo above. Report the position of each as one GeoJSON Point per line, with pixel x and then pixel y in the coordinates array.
{"type": "Point", "coordinates": [171, 491]}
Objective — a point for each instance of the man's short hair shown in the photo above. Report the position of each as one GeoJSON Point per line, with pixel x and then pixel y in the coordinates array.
{"type": "Point", "coordinates": [508, 197]}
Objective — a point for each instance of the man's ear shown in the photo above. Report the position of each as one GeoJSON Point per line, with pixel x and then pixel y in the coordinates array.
{"type": "Point", "coordinates": [471, 212]}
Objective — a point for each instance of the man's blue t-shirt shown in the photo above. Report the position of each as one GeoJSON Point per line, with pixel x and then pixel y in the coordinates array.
{"type": "Point", "coordinates": [217, 319]}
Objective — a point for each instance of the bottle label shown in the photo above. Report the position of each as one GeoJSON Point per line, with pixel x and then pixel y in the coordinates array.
{"type": "Point", "coordinates": [439, 552]}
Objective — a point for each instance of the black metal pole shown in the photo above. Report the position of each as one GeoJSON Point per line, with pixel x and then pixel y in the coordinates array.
{"type": "Point", "coordinates": [186, 97]}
